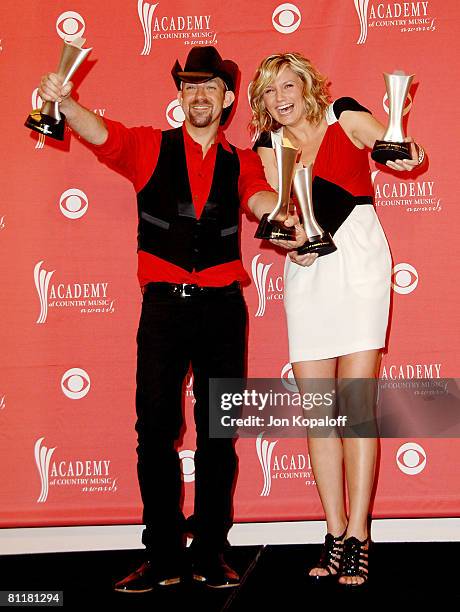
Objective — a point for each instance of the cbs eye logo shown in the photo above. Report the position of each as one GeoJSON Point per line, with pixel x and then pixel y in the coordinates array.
{"type": "Point", "coordinates": [174, 114]}
{"type": "Point", "coordinates": [411, 458]}
{"type": "Point", "coordinates": [70, 25]}
{"type": "Point", "coordinates": [286, 18]}
{"type": "Point", "coordinates": [405, 278]}
{"type": "Point", "coordinates": [73, 203]}
{"type": "Point", "coordinates": [288, 380]}
{"type": "Point", "coordinates": [187, 458]}
{"type": "Point", "coordinates": [75, 383]}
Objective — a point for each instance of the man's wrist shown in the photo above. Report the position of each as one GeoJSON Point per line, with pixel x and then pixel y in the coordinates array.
{"type": "Point", "coordinates": [66, 105]}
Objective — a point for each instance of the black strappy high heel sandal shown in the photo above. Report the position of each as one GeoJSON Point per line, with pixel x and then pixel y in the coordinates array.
{"type": "Point", "coordinates": [355, 561]}
{"type": "Point", "coordinates": [331, 555]}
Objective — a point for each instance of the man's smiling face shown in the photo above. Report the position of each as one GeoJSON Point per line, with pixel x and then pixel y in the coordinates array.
{"type": "Point", "coordinates": [203, 103]}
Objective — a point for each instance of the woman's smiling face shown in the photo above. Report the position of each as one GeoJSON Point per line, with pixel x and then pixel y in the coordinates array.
{"type": "Point", "coordinates": [283, 98]}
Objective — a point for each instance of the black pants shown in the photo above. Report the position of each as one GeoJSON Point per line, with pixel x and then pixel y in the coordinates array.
{"type": "Point", "coordinates": [208, 331]}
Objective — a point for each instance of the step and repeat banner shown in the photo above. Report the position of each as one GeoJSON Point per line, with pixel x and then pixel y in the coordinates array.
{"type": "Point", "coordinates": [69, 295]}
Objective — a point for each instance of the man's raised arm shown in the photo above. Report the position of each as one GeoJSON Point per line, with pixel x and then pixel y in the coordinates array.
{"type": "Point", "coordinates": [87, 124]}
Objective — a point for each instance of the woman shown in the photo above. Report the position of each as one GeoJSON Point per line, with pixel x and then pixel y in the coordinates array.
{"type": "Point", "coordinates": [337, 307]}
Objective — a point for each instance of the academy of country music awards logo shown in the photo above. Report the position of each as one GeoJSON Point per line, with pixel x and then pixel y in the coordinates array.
{"type": "Point", "coordinates": [2, 222]}
{"type": "Point", "coordinates": [278, 466]}
{"type": "Point", "coordinates": [191, 29]}
{"type": "Point", "coordinates": [410, 371]}
{"type": "Point", "coordinates": [269, 286]}
{"type": "Point", "coordinates": [403, 16]}
{"type": "Point", "coordinates": [281, 466]}
{"type": "Point", "coordinates": [86, 297]}
{"type": "Point", "coordinates": [416, 196]}
{"type": "Point", "coordinates": [89, 475]}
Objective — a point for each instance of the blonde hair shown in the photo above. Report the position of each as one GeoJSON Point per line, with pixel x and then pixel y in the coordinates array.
{"type": "Point", "coordinates": [315, 90]}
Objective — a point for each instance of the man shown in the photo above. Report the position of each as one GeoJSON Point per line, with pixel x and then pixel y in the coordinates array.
{"type": "Point", "coordinates": [190, 183]}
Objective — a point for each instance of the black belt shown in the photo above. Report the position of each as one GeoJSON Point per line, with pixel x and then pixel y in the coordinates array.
{"type": "Point", "coordinates": [363, 200]}
{"type": "Point", "coordinates": [185, 290]}
{"type": "Point", "coordinates": [333, 204]}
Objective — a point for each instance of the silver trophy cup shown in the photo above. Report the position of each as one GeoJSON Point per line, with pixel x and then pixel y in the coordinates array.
{"type": "Point", "coordinates": [271, 225]}
{"type": "Point", "coordinates": [318, 241]}
{"type": "Point", "coordinates": [393, 145]}
{"type": "Point", "coordinates": [49, 120]}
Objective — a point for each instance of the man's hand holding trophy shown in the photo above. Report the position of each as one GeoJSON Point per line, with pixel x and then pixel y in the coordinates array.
{"type": "Point", "coordinates": [49, 120]}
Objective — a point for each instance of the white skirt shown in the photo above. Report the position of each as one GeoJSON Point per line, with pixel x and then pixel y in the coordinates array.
{"type": "Point", "coordinates": [340, 304]}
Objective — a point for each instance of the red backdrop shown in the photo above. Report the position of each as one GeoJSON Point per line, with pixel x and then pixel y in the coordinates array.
{"type": "Point", "coordinates": [70, 300]}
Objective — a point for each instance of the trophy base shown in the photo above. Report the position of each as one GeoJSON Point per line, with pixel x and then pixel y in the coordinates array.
{"type": "Point", "coordinates": [322, 245]}
{"type": "Point", "coordinates": [44, 124]}
{"type": "Point", "coordinates": [274, 230]}
{"type": "Point", "coordinates": [384, 151]}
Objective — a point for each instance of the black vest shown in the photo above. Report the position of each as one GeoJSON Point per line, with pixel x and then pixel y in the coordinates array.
{"type": "Point", "coordinates": [168, 227]}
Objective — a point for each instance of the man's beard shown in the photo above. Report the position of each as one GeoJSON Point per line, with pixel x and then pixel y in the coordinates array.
{"type": "Point", "coordinates": [200, 118]}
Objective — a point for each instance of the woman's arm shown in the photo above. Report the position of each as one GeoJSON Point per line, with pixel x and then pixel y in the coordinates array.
{"type": "Point", "coordinates": [363, 130]}
{"type": "Point", "coordinates": [269, 163]}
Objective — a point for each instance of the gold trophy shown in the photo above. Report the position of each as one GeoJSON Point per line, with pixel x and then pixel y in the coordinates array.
{"type": "Point", "coordinates": [393, 145]}
{"type": "Point", "coordinates": [318, 241]}
{"type": "Point", "coordinates": [271, 225]}
{"type": "Point", "coordinates": [49, 120]}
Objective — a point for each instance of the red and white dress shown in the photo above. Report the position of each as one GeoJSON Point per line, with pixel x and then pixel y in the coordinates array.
{"type": "Point", "coordinates": [340, 304]}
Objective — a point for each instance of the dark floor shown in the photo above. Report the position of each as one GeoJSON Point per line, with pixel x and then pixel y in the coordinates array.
{"type": "Point", "coordinates": [273, 578]}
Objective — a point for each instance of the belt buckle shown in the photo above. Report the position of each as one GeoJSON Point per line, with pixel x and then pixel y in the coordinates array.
{"type": "Point", "coordinates": [183, 292]}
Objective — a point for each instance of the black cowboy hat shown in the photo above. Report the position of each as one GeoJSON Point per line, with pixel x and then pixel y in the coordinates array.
{"type": "Point", "coordinates": [203, 64]}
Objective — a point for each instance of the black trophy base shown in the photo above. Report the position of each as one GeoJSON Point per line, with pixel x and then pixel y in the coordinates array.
{"type": "Point", "coordinates": [44, 124]}
{"type": "Point", "coordinates": [384, 151]}
{"type": "Point", "coordinates": [274, 230]}
{"type": "Point", "coordinates": [322, 245]}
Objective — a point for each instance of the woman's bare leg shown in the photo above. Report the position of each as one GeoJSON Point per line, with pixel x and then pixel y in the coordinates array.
{"type": "Point", "coordinates": [326, 455]}
{"type": "Point", "coordinates": [359, 454]}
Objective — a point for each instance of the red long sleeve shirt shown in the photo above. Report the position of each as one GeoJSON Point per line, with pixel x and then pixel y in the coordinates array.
{"type": "Point", "coordinates": [133, 152]}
